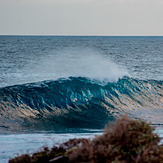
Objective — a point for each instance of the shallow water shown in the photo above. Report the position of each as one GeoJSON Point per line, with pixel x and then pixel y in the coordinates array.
{"type": "Point", "coordinates": [17, 144]}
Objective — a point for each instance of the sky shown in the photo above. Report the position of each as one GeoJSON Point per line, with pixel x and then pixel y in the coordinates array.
{"type": "Point", "coordinates": [81, 17]}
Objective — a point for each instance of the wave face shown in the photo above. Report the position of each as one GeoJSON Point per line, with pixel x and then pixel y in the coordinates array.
{"type": "Point", "coordinates": [79, 102]}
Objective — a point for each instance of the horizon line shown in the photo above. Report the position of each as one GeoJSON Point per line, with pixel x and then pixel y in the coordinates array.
{"type": "Point", "coordinates": [74, 35]}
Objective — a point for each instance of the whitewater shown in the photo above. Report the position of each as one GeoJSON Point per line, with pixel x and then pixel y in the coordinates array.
{"type": "Point", "coordinates": [54, 88]}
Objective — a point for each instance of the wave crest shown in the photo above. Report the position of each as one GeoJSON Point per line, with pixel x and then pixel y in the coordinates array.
{"type": "Point", "coordinates": [79, 102]}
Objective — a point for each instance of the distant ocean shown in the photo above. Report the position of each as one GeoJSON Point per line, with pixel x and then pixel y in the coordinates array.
{"type": "Point", "coordinates": [53, 88]}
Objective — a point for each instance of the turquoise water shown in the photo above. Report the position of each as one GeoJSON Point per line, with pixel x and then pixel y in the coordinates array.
{"type": "Point", "coordinates": [50, 84]}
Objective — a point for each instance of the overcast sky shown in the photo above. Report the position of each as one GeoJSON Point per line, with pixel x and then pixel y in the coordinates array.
{"type": "Point", "coordinates": [81, 17]}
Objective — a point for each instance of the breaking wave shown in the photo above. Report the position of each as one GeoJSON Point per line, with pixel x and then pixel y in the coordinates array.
{"type": "Point", "coordinates": [78, 102]}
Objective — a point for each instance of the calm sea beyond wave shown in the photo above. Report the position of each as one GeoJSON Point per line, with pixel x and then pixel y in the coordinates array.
{"type": "Point", "coordinates": [53, 88]}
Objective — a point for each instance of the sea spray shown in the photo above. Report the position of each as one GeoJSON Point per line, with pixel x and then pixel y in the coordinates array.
{"type": "Point", "coordinates": [74, 62]}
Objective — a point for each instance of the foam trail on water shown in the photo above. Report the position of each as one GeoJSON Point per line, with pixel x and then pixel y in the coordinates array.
{"type": "Point", "coordinates": [84, 63]}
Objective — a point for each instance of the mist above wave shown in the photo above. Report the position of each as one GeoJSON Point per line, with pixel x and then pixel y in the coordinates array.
{"type": "Point", "coordinates": [65, 63]}
{"type": "Point", "coordinates": [80, 63]}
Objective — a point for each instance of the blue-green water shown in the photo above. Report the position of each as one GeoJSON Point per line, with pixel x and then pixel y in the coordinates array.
{"type": "Point", "coordinates": [67, 84]}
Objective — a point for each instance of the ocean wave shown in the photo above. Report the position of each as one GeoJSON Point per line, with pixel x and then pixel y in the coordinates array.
{"type": "Point", "coordinates": [79, 102]}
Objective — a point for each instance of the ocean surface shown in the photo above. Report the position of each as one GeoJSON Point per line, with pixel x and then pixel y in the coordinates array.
{"type": "Point", "coordinates": [53, 88]}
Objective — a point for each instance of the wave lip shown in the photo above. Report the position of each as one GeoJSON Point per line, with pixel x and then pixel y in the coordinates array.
{"type": "Point", "coordinates": [79, 102]}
